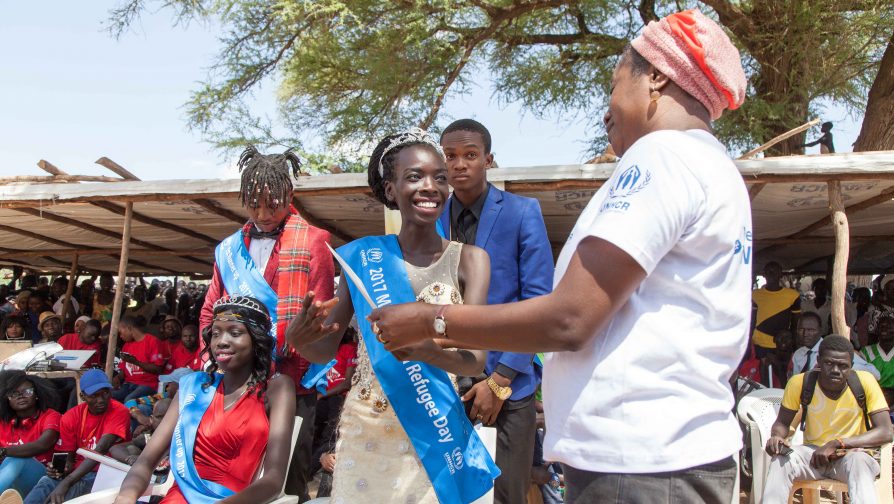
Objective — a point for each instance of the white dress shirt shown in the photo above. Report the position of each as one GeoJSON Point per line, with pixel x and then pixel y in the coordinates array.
{"type": "Point", "coordinates": [802, 354]}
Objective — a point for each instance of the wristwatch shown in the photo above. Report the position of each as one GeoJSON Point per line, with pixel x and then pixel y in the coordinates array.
{"type": "Point", "coordinates": [440, 322]}
{"type": "Point", "coordinates": [502, 393]}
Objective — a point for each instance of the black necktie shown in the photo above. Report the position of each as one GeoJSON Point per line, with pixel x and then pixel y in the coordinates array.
{"type": "Point", "coordinates": [464, 226]}
{"type": "Point", "coordinates": [806, 367]}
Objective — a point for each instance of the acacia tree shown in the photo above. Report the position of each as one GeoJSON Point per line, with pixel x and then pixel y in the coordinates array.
{"type": "Point", "coordinates": [350, 70]}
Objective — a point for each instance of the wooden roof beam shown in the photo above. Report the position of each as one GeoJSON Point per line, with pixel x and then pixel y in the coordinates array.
{"type": "Point", "coordinates": [215, 208]}
{"type": "Point", "coordinates": [50, 168]}
{"type": "Point", "coordinates": [145, 219]}
{"type": "Point", "coordinates": [309, 217]}
{"type": "Point", "coordinates": [755, 189]}
{"type": "Point", "coordinates": [883, 197]}
{"type": "Point", "coordinates": [100, 231]}
{"type": "Point", "coordinates": [116, 168]}
{"type": "Point", "coordinates": [43, 238]}
{"type": "Point", "coordinates": [7, 252]}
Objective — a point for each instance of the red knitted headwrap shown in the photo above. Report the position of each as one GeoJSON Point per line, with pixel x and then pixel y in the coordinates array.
{"type": "Point", "coordinates": [695, 53]}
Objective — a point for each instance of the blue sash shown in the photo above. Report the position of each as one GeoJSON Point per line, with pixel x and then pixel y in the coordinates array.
{"type": "Point", "coordinates": [430, 411]}
{"type": "Point", "coordinates": [194, 402]}
{"type": "Point", "coordinates": [315, 376]}
{"type": "Point", "coordinates": [240, 276]}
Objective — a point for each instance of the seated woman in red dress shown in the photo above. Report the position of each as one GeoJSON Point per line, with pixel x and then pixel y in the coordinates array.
{"type": "Point", "coordinates": [29, 429]}
{"type": "Point", "coordinates": [222, 422]}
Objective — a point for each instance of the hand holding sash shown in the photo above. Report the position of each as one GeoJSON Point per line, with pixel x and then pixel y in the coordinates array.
{"type": "Point", "coordinates": [310, 324]}
{"type": "Point", "coordinates": [403, 325]}
{"type": "Point", "coordinates": [424, 351]}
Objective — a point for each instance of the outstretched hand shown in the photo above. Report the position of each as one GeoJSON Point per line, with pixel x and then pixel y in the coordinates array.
{"type": "Point", "coordinates": [310, 324]}
{"type": "Point", "coordinates": [404, 324]}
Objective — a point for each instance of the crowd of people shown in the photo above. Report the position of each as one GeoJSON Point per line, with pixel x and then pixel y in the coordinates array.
{"type": "Point", "coordinates": [426, 334]}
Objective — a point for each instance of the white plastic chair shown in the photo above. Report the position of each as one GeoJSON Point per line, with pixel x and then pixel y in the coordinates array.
{"type": "Point", "coordinates": [757, 411]}
{"type": "Point", "coordinates": [107, 496]}
{"type": "Point", "coordinates": [488, 436]}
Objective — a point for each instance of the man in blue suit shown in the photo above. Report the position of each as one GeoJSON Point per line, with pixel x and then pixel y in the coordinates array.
{"type": "Point", "coordinates": [511, 229]}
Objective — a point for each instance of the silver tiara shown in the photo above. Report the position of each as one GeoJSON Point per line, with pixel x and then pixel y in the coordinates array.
{"type": "Point", "coordinates": [411, 136]}
{"type": "Point", "coordinates": [240, 302]}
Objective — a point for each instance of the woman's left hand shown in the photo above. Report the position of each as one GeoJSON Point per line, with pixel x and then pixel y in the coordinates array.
{"type": "Point", "coordinates": [424, 351]}
{"type": "Point", "coordinates": [405, 324]}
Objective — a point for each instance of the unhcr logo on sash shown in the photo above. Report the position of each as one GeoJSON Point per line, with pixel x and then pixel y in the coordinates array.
{"type": "Point", "coordinates": [374, 255]}
{"type": "Point", "coordinates": [631, 181]}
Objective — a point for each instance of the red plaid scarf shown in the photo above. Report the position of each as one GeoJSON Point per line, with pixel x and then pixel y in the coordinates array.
{"type": "Point", "coordinates": [293, 273]}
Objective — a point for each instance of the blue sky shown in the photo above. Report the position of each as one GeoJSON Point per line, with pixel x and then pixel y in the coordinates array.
{"type": "Point", "coordinates": [70, 93]}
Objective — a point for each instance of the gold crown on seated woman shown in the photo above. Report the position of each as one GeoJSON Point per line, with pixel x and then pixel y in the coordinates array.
{"type": "Point", "coordinates": [240, 302]}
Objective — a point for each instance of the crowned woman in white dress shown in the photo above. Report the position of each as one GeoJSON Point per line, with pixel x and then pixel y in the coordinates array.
{"type": "Point", "coordinates": [403, 435]}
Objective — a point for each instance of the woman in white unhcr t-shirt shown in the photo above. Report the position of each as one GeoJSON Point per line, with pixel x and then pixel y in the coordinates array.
{"type": "Point", "coordinates": [650, 312]}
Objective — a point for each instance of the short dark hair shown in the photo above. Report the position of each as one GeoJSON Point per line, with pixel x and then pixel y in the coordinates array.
{"type": "Point", "coordinates": [128, 322]}
{"type": "Point", "coordinates": [813, 315]}
{"type": "Point", "coordinates": [95, 325]}
{"type": "Point", "coordinates": [836, 343]}
{"type": "Point", "coordinates": [472, 126]}
{"type": "Point", "coordinates": [638, 64]}
{"type": "Point", "coordinates": [11, 380]}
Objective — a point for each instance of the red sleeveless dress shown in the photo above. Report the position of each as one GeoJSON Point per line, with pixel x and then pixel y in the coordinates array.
{"type": "Point", "coordinates": [230, 444]}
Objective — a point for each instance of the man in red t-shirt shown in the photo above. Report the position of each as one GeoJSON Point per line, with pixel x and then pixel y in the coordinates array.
{"type": "Point", "coordinates": [86, 339]}
{"type": "Point", "coordinates": [186, 353]}
{"type": "Point", "coordinates": [96, 424]}
{"type": "Point", "coordinates": [142, 360]}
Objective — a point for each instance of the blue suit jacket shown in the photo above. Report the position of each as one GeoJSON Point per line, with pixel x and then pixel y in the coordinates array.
{"type": "Point", "coordinates": [512, 231]}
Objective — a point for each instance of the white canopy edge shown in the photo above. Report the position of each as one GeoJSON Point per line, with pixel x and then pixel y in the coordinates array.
{"type": "Point", "coordinates": [817, 167]}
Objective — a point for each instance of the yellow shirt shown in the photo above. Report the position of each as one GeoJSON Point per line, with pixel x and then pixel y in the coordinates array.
{"type": "Point", "coordinates": [774, 312]}
{"type": "Point", "coordinates": [829, 419]}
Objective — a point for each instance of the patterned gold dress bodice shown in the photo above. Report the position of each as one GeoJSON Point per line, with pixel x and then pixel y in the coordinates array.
{"type": "Point", "coordinates": [376, 462]}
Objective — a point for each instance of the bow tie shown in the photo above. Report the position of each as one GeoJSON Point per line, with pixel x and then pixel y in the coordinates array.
{"type": "Point", "coordinates": [254, 232]}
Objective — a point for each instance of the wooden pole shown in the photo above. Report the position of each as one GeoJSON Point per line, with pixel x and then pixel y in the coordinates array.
{"type": "Point", "coordinates": [119, 291]}
{"type": "Point", "coordinates": [776, 140]}
{"type": "Point", "coordinates": [70, 289]}
{"type": "Point", "coordinates": [839, 268]}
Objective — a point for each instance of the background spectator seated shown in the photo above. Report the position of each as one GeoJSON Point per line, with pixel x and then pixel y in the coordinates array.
{"type": "Point", "coordinates": [96, 424]}
{"type": "Point", "coordinates": [50, 327]}
{"type": "Point", "coordinates": [881, 354]}
{"type": "Point", "coordinates": [805, 358]}
{"type": "Point", "coordinates": [29, 429]}
{"type": "Point", "coordinates": [128, 452]}
{"type": "Point", "coordinates": [142, 361]}
{"type": "Point", "coordinates": [837, 434]}
{"type": "Point", "coordinates": [186, 354]}
{"type": "Point", "coordinates": [15, 327]}
{"type": "Point", "coordinates": [85, 339]}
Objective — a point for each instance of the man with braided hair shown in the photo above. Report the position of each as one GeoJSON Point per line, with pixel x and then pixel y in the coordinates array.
{"type": "Point", "coordinates": [276, 257]}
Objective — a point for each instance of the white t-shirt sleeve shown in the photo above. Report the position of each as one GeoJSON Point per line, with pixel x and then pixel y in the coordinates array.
{"type": "Point", "coordinates": [652, 200]}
